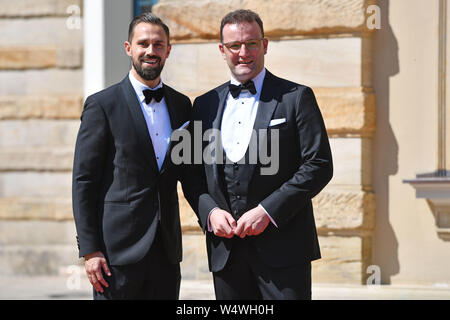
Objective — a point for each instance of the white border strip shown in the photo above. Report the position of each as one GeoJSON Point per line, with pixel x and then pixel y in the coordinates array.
{"type": "Point", "coordinates": [94, 46]}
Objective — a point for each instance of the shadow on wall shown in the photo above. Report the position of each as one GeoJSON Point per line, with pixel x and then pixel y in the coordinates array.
{"type": "Point", "coordinates": [385, 146]}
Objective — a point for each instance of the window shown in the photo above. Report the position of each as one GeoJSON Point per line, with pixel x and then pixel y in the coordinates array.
{"type": "Point", "coordinates": [140, 6]}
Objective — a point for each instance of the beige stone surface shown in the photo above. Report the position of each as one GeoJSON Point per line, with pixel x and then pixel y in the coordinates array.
{"type": "Point", "coordinates": [195, 68]}
{"type": "Point", "coordinates": [50, 232]}
{"type": "Point", "coordinates": [320, 62]}
{"type": "Point", "coordinates": [43, 82]}
{"type": "Point", "coordinates": [36, 159]}
{"type": "Point", "coordinates": [189, 221]}
{"type": "Point", "coordinates": [344, 260]}
{"type": "Point", "coordinates": [352, 162]}
{"type": "Point", "coordinates": [19, 58]}
{"type": "Point", "coordinates": [195, 258]}
{"type": "Point", "coordinates": [36, 259]}
{"type": "Point", "coordinates": [344, 209]}
{"type": "Point", "coordinates": [45, 31]}
{"type": "Point", "coordinates": [407, 247]}
{"type": "Point", "coordinates": [41, 107]}
{"type": "Point", "coordinates": [38, 133]}
{"type": "Point", "coordinates": [31, 8]}
{"type": "Point", "coordinates": [201, 19]}
{"type": "Point", "coordinates": [23, 58]}
{"type": "Point", "coordinates": [36, 184]}
{"type": "Point", "coordinates": [69, 57]}
{"type": "Point", "coordinates": [347, 111]}
{"type": "Point", "coordinates": [35, 208]}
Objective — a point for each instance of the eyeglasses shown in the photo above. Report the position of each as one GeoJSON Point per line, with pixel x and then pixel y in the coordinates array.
{"type": "Point", "coordinates": [251, 45]}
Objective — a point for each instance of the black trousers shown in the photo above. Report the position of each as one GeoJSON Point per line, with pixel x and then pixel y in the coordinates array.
{"type": "Point", "coordinates": [152, 278]}
{"type": "Point", "coordinates": [246, 277]}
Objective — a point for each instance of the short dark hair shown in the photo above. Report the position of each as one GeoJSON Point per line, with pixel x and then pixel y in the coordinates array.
{"type": "Point", "coordinates": [147, 17]}
{"type": "Point", "coordinates": [238, 16]}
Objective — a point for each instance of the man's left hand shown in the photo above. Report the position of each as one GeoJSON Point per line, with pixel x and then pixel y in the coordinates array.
{"type": "Point", "coordinates": [252, 223]}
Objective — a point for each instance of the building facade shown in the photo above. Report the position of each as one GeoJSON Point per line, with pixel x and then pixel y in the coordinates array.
{"type": "Point", "coordinates": [378, 70]}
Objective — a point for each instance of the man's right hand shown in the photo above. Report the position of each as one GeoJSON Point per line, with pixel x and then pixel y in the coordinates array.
{"type": "Point", "coordinates": [222, 223]}
{"type": "Point", "coordinates": [94, 263]}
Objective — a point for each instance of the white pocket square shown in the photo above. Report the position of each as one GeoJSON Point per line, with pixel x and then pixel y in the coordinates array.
{"type": "Point", "coordinates": [274, 122]}
{"type": "Point", "coordinates": [184, 125]}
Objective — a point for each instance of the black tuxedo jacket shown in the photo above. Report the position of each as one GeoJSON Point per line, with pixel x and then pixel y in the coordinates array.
{"type": "Point", "coordinates": [117, 188]}
{"type": "Point", "coordinates": [305, 167]}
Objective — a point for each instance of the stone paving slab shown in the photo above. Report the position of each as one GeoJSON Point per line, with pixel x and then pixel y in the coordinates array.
{"type": "Point", "coordinates": [382, 292]}
{"type": "Point", "coordinates": [62, 288]}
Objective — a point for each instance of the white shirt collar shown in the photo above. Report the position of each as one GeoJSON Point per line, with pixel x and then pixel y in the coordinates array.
{"type": "Point", "coordinates": [258, 81]}
{"type": "Point", "coordinates": [139, 87]}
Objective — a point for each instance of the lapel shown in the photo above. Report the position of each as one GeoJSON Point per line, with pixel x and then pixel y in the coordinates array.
{"type": "Point", "coordinates": [213, 170]}
{"type": "Point", "coordinates": [174, 122]}
{"type": "Point", "coordinates": [268, 101]}
{"type": "Point", "coordinates": [139, 123]}
{"type": "Point", "coordinates": [223, 93]}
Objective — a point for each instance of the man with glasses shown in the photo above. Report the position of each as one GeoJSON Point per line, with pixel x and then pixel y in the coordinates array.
{"type": "Point", "coordinates": [260, 230]}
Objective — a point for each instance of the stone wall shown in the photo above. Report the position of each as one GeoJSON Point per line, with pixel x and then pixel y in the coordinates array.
{"type": "Point", "coordinates": [41, 97]}
{"type": "Point", "coordinates": [320, 43]}
{"type": "Point", "coordinates": [324, 44]}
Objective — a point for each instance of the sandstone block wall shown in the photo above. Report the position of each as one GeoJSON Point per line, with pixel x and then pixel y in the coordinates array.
{"type": "Point", "coordinates": [324, 44]}
{"type": "Point", "coordinates": [41, 97]}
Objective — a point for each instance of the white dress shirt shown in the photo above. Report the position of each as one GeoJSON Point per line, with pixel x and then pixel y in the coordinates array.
{"type": "Point", "coordinates": [157, 118]}
{"type": "Point", "coordinates": [237, 124]}
{"type": "Point", "coordinates": [238, 119]}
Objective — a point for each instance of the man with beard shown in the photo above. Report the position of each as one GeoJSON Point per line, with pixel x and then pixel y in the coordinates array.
{"type": "Point", "coordinates": [124, 191]}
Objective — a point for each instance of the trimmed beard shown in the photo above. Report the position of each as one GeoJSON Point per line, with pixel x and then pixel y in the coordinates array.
{"type": "Point", "coordinates": [149, 73]}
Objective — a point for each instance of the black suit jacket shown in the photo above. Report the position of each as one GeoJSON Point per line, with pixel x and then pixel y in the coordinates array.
{"type": "Point", "coordinates": [305, 167]}
{"type": "Point", "coordinates": [116, 181]}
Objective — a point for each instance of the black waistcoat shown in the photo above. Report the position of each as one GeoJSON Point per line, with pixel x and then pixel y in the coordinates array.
{"type": "Point", "coordinates": [236, 178]}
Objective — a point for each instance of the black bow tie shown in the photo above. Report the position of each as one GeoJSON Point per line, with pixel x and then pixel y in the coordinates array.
{"type": "Point", "coordinates": [236, 90]}
{"type": "Point", "coordinates": [153, 94]}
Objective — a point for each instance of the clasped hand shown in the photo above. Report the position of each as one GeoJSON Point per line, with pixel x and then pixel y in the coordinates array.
{"type": "Point", "coordinates": [251, 223]}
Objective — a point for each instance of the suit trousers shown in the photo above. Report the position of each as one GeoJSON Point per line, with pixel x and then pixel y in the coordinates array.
{"type": "Point", "coordinates": [246, 277]}
{"type": "Point", "coordinates": [152, 278]}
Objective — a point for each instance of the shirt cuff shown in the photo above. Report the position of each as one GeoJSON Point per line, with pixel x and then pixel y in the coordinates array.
{"type": "Point", "coordinates": [271, 220]}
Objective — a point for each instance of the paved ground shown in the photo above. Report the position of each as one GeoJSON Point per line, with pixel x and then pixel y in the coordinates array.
{"type": "Point", "coordinates": [66, 288]}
